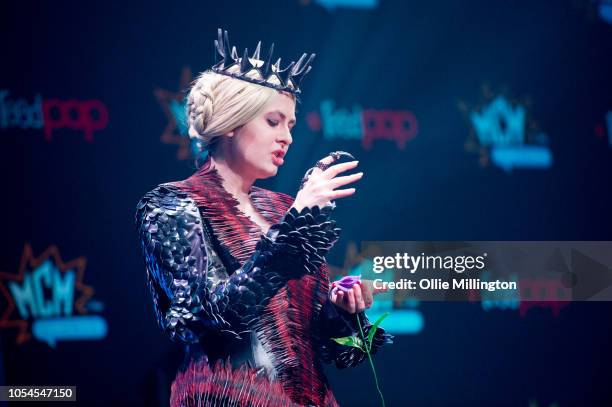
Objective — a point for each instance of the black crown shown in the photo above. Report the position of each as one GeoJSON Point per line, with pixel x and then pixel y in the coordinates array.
{"type": "Point", "coordinates": [290, 77]}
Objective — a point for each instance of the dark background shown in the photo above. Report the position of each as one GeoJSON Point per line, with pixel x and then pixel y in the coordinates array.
{"type": "Point", "coordinates": [428, 57]}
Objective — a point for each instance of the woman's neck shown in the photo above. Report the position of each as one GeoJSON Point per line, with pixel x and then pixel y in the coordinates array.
{"type": "Point", "coordinates": [239, 187]}
{"type": "Point", "coordinates": [233, 181]}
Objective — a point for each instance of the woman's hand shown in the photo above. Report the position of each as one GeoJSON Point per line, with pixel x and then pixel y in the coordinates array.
{"type": "Point", "coordinates": [320, 187]}
{"type": "Point", "coordinates": [357, 298]}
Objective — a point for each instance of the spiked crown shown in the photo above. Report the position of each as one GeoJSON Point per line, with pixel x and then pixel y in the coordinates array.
{"type": "Point", "coordinates": [290, 77]}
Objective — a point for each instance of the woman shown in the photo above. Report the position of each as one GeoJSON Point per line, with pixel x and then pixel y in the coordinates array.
{"type": "Point", "coordinates": [238, 272]}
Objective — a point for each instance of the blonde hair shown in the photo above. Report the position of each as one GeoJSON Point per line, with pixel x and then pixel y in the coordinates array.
{"type": "Point", "coordinates": [218, 104]}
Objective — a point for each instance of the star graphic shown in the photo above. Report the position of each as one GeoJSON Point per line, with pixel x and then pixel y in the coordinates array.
{"type": "Point", "coordinates": [30, 262]}
{"type": "Point", "coordinates": [173, 105]}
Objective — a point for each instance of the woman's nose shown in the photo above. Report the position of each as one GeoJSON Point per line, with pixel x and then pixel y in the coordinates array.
{"type": "Point", "coordinates": [286, 138]}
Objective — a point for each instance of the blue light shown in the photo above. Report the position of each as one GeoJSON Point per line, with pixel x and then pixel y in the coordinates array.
{"type": "Point", "coordinates": [609, 126]}
{"type": "Point", "coordinates": [357, 4]}
{"type": "Point", "coordinates": [504, 300]}
{"type": "Point", "coordinates": [180, 115]}
{"type": "Point", "coordinates": [605, 11]}
{"type": "Point", "coordinates": [521, 156]}
{"type": "Point", "coordinates": [30, 294]}
{"type": "Point", "coordinates": [70, 328]}
{"type": "Point", "coordinates": [341, 123]}
{"type": "Point", "coordinates": [399, 321]}
{"type": "Point", "coordinates": [499, 123]}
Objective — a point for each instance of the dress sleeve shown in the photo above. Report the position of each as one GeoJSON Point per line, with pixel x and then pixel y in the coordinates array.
{"type": "Point", "coordinates": [192, 297]}
{"type": "Point", "coordinates": [337, 323]}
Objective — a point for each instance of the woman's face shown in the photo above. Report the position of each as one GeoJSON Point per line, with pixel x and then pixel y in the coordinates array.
{"type": "Point", "coordinates": [257, 148]}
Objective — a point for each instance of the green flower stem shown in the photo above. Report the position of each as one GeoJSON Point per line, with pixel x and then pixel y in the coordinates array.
{"type": "Point", "coordinates": [368, 347]}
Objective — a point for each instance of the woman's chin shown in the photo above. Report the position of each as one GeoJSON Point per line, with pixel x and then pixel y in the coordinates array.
{"type": "Point", "coordinates": [273, 171]}
{"type": "Point", "coordinates": [267, 172]}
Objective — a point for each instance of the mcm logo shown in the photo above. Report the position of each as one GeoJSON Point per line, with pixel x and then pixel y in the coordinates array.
{"type": "Point", "coordinates": [502, 133]}
{"type": "Point", "coordinates": [48, 299]}
{"type": "Point", "coordinates": [499, 123]}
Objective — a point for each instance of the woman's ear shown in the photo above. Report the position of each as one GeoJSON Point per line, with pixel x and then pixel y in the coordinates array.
{"type": "Point", "coordinates": [233, 132]}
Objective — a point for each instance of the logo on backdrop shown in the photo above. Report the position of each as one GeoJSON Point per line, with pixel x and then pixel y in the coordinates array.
{"type": "Point", "coordinates": [502, 134]}
{"type": "Point", "coordinates": [173, 103]}
{"type": "Point", "coordinates": [331, 5]}
{"type": "Point", "coordinates": [50, 115]}
{"type": "Point", "coordinates": [47, 299]}
{"type": "Point", "coordinates": [366, 125]}
{"type": "Point", "coordinates": [542, 292]}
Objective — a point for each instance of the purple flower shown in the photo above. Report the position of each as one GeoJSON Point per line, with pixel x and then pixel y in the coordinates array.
{"type": "Point", "coordinates": [345, 283]}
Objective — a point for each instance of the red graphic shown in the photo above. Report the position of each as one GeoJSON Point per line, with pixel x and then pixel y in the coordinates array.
{"type": "Point", "coordinates": [314, 121]}
{"type": "Point", "coordinates": [545, 293]}
{"type": "Point", "coordinates": [29, 262]}
{"type": "Point", "coordinates": [399, 126]}
{"type": "Point", "coordinates": [84, 115]}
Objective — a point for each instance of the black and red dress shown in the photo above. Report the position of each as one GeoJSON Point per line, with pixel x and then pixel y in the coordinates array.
{"type": "Point", "coordinates": [253, 310]}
